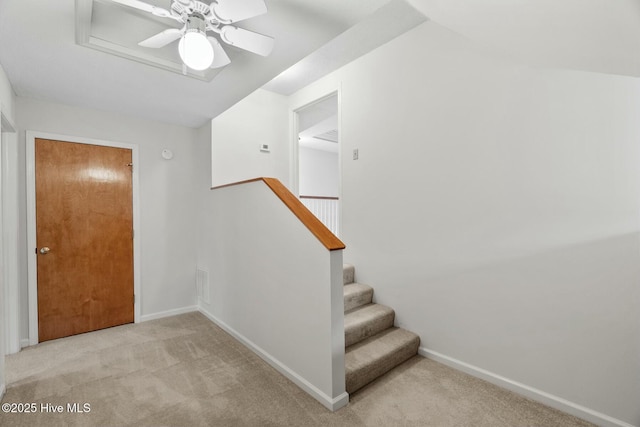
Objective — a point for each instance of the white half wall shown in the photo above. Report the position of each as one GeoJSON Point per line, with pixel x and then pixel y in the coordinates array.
{"type": "Point", "coordinates": [275, 287]}
{"type": "Point", "coordinates": [238, 133]}
{"type": "Point", "coordinates": [168, 203]}
{"type": "Point", "coordinates": [496, 207]}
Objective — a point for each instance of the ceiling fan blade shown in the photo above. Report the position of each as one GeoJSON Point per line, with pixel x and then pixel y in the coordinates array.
{"type": "Point", "coordinates": [247, 40]}
{"type": "Point", "coordinates": [230, 11]}
{"type": "Point", "coordinates": [162, 39]}
{"type": "Point", "coordinates": [136, 4]}
{"type": "Point", "coordinates": [220, 58]}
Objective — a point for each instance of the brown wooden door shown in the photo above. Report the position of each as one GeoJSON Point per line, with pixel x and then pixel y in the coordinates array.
{"type": "Point", "coordinates": [84, 216]}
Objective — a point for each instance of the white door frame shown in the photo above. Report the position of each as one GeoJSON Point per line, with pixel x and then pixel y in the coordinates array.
{"type": "Point", "coordinates": [31, 221]}
{"type": "Point", "coordinates": [9, 230]}
{"type": "Point", "coordinates": [3, 316]}
{"type": "Point", "coordinates": [294, 173]}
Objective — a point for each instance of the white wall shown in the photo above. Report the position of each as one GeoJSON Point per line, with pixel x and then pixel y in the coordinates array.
{"type": "Point", "coordinates": [496, 207]}
{"type": "Point", "coordinates": [167, 193]}
{"type": "Point", "coordinates": [282, 297]}
{"type": "Point", "coordinates": [319, 173]}
{"type": "Point", "coordinates": [261, 118]}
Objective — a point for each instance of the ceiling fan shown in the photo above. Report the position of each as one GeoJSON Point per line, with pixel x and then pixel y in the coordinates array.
{"type": "Point", "coordinates": [198, 50]}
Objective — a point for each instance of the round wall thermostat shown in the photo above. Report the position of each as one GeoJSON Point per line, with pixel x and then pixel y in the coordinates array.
{"type": "Point", "coordinates": [167, 154]}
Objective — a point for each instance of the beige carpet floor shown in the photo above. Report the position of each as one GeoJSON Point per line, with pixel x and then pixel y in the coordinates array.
{"type": "Point", "coordinates": [185, 371]}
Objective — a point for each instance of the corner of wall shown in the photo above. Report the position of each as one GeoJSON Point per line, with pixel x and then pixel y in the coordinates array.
{"type": "Point", "coordinates": [331, 403]}
{"type": "Point", "coordinates": [7, 97]}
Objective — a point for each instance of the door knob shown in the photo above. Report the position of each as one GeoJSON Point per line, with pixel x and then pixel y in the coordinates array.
{"type": "Point", "coordinates": [44, 250]}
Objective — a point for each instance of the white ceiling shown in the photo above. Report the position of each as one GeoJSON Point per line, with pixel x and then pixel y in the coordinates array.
{"type": "Point", "coordinates": [323, 136]}
{"type": "Point", "coordinates": [39, 54]}
{"type": "Point", "coordinates": [316, 121]}
{"type": "Point", "coordinates": [388, 22]}
{"type": "Point", "coordinates": [318, 111]}
{"type": "Point", "coordinates": [95, 27]}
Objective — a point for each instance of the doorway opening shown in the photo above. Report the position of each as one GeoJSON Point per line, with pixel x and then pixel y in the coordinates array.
{"type": "Point", "coordinates": [319, 160]}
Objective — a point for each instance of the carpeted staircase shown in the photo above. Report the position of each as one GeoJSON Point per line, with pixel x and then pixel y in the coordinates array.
{"type": "Point", "coordinates": [373, 345]}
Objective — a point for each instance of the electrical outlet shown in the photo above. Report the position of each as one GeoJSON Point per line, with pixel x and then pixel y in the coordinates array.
{"type": "Point", "coordinates": [355, 154]}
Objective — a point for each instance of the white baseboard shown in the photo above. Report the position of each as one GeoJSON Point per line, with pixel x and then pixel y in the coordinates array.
{"type": "Point", "coordinates": [174, 312]}
{"type": "Point", "coordinates": [524, 390]}
{"type": "Point", "coordinates": [26, 342]}
{"type": "Point", "coordinates": [333, 404]}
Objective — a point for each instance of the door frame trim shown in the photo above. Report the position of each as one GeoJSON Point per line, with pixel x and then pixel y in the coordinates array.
{"type": "Point", "coordinates": [31, 220]}
{"type": "Point", "coordinates": [10, 240]}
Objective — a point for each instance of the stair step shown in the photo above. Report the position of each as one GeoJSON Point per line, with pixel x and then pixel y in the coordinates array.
{"type": "Point", "coordinates": [365, 321]}
{"type": "Point", "coordinates": [356, 295]}
{"type": "Point", "coordinates": [348, 274]}
{"type": "Point", "coordinates": [377, 355]}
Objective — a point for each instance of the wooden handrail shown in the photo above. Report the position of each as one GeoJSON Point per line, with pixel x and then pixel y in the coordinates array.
{"type": "Point", "coordinates": [317, 228]}
{"type": "Point", "coordinates": [320, 197]}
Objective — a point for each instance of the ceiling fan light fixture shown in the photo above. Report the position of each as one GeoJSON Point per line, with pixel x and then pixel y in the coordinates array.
{"type": "Point", "coordinates": [197, 50]}
{"type": "Point", "coordinates": [194, 47]}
